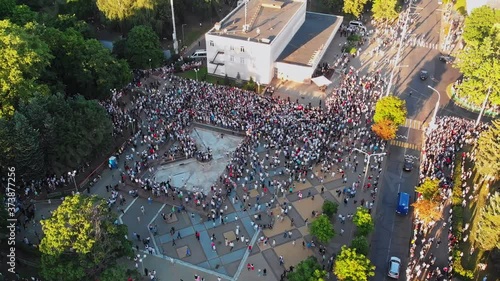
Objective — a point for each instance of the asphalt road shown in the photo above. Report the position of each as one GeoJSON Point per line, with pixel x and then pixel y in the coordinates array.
{"type": "Point", "coordinates": [393, 232]}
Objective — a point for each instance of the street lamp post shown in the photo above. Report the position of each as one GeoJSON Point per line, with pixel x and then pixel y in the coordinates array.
{"type": "Point", "coordinates": [183, 40]}
{"type": "Point", "coordinates": [433, 120]}
{"type": "Point", "coordinates": [483, 107]}
{"type": "Point", "coordinates": [150, 64]}
{"type": "Point", "coordinates": [369, 156]}
{"type": "Point", "coordinates": [72, 176]}
{"type": "Point", "coordinates": [141, 260]}
{"type": "Point", "coordinates": [258, 87]}
{"type": "Point", "coordinates": [196, 72]}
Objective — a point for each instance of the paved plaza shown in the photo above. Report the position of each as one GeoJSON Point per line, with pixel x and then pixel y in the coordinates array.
{"type": "Point", "coordinates": [188, 243]}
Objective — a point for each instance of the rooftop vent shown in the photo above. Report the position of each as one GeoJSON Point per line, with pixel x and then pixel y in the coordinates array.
{"type": "Point", "coordinates": [265, 40]}
{"type": "Point", "coordinates": [272, 4]}
{"type": "Point", "coordinates": [217, 26]}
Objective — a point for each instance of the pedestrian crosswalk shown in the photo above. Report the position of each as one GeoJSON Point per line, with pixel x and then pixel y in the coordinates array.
{"type": "Point", "coordinates": [413, 124]}
{"type": "Point", "coordinates": [404, 144]}
{"type": "Point", "coordinates": [415, 42]}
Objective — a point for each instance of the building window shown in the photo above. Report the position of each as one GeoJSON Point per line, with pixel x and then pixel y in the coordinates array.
{"type": "Point", "coordinates": [231, 48]}
{"type": "Point", "coordinates": [242, 60]}
{"type": "Point", "coordinates": [231, 58]}
{"type": "Point", "coordinates": [212, 43]}
{"type": "Point", "coordinates": [242, 49]}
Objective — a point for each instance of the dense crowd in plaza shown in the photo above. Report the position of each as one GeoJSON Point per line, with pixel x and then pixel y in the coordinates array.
{"type": "Point", "coordinates": [441, 145]}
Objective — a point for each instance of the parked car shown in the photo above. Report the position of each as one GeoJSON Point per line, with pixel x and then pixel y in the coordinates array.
{"type": "Point", "coordinates": [424, 75]}
{"type": "Point", "coordinates": [357, 24]}
{"type": "Point", "coordinates": [446, 58]}
{"type": "Point", "coordinates": [394, 267]}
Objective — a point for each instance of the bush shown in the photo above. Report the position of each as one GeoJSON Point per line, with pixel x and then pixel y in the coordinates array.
{"type": "Point", "coordinates": [459, 269]}
{"type": "Point", "coordinates": [360, 243]}
{"type": "Point", "coordinates": [458, 221]}
{"type": "Point", "coordinates": [330, 208]}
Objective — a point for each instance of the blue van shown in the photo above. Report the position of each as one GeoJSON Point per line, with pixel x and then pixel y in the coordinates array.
{"type": "Point", "coordinates": [403, 203]}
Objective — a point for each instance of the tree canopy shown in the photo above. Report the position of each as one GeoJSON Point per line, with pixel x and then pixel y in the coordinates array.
{"type": "Point", "coordinates": [363, 221]}
{"type": "Point", "coordinates": [352, 266]}
{"type": "Point", "coordinates": [307, 270]}
{"type": "Point", "coordinates": [488, 147]}
{"type": "Point", "coordinates": [429, 189]}
{"type": "Point", "coordinates": [427, 210]}
{"type": "Point", "coordinates": [354, 7]}
{"type": "Point", "coordinates": [330, 208]}
{"type": "Point", "coordinates": [81, 240]}
{"type": "Point", "coordinates": [83, 66]}
{"type": "Point", "coordinates": [360, 244]}
{"type": "Point", "coordinates": [23, 57]}
{"type": "Point", "coordinates": [52, 133]}
{"type": "Point", "coordinates": [390, 108]}
{"type": "Point", "coordinates": [480, 64]}
{"type": "Point", "coordinates": [124, 9]}
{"type": "Point", "coordinates": [141, 48]}
{"type": "Point", "coordinates": [384, 10]}
{"type": "Point", "coordinates": [322, 229]}
{"type": "Point", "coordinates": [385, 129]}
{"type": "Point", "coordinates": [479, 24]}
{"type": "Point", "coordinates": [487, 232]}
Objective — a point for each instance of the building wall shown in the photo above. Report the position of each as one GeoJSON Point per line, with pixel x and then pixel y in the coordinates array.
{"type": "Point", "coordinates": [249, 59]}
{"type": "Point", "coordinates": [258, 58]}
{"type": "Point", "coordinates": [284, 37]}
{"type": "Point", "coordinates": [293, 72]}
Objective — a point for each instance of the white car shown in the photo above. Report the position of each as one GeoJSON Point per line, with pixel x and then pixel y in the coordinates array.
{"type": "Point", "coordinates": [394, 266]}
{"type": "Point", "coordinates": [357, 24]}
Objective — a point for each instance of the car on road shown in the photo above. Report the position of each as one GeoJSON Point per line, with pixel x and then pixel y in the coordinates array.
{"type": "Point", "coordinates": [403, 203]}
{"type": "Point", "coordinates": [394, 267]}
{"type": "Point", "coordinates": [357, 24]}
{"type": "Point", "coordinates": [408, 165]}
{"type": "Point", "coordinates": [424, 74]}
{"type": "Point", "coordinates": [446, 58]}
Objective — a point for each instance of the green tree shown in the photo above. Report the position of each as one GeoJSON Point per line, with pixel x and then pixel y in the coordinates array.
{"type": "Point", "coordinates": [123, 10]}
{"type": "Point", "coordinates": [82, 240]}
{"type": "Point", "coordinates": [29, 157]}
{"type": "Point", "coordinates": [487, 232]}
{"type": "Point", "coordinates": [7, 8]}
{"type": "Point", "coordinates": [479, 24]}
{"type": "Point", "coordinates": [354, 7]}
{"type": "Point", "coordinates": [22, 15]}
{"type": "Point", "coordinates": [390, 108]}
{"type": "Point", "coordinates": [307, 270]}
{"type": "Point", "coordinates": [488, 147]}
{"type": "Point", "coordinates": [427, 211]}
{"type": "Point", "coordinates": [83, 66]}
{"type": "Point", "coordinates": [352, 266]}
{"type": "Point", "coordinates": [23, 57]}
{"type": "Point", "coordinates": [363, 221]}
{"type": "Point", "coordinates": [385, 129]}
{"type": "Point", "coordinates": [360, 244]}
{"type": "Point", "coordinates": [384, 10]}
{"type": "Point", "coordinates": [322, 229]}
{"type": "Point", "coordinates": [143, 49]}
{"type": "Point", "coordinates": [480, 65]}
{"type": "Point", "coordinates": [429, 189]}
{"type": "Point", "coordinates": [329, 208]}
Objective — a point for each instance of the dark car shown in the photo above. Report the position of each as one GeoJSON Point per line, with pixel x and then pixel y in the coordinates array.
{"type": "Point", "coordinates": [424, 75]}
{"type": "Point", "coordinates": [446, 59]}
{"type": "Point", "coordinates": [408, 165]}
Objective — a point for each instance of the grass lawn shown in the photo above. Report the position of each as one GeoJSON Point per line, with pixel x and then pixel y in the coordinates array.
{"type": "Point", "coordinates": [202, 76]}
{"type": "Point", "coordinates": [193, 33]}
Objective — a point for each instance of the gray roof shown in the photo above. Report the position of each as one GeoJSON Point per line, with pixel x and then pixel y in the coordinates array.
{"type": "Point", "coordinates": [310, 37]}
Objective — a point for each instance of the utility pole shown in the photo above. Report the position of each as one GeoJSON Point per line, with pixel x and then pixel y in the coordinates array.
{"type": "Point", "coordinates": [174, 34]}
{"type": "Point", "coordinates": [369, 156]}
{"type": "Point", "coordinates": [436, 108]}
{"type": "Point", "coordinates": [484, 106]}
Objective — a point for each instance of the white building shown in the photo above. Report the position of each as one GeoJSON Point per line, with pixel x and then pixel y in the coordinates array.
{"type": "Point", "coordinates": [262, 39]}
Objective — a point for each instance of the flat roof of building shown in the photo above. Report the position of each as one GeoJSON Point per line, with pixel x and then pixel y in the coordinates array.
{"type": "Point", "coordinates": [265, 20]}
{"type": "Point", "coordinates": [310, 39]}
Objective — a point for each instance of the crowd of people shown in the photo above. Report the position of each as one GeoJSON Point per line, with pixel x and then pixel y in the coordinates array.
{"type": "Point", "coordinates": [441, 146]}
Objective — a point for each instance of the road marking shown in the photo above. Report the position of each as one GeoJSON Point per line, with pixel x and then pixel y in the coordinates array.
{"type": "Point", "coordinates": [404, 144]}
{"type": "Point", "coordinates": [151, 234]}
{"type": "Point", "coordinates": [245, 257]}
{"type": "Point", "coordinates": [126, 210]}
{"type": "Point", "coordinates": [192, 266]}
{"type": "Point", "coordinates": [413, 124]}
